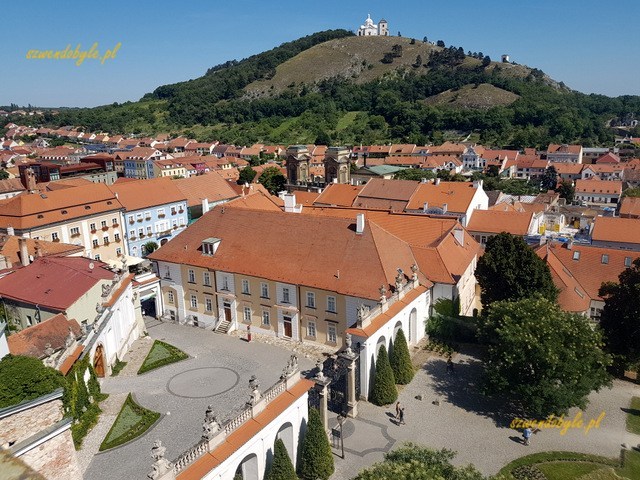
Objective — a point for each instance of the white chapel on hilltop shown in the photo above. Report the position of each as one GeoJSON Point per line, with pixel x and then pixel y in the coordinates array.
{"type": "Point", "coordinates": [370, 29]}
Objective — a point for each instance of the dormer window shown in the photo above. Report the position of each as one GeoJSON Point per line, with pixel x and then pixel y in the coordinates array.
{"type": "Point", "coordinates": [576, 255]}
{"type": "Point", "coordinates": [210, 245]}
{"type": "Point", "coordinates": [605, 259]}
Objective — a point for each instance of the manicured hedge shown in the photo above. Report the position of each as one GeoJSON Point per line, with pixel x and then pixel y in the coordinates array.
{"type": "Point", "coordinates": [133, 420]}
{"type": "Point", "coordinates": [161, 354]}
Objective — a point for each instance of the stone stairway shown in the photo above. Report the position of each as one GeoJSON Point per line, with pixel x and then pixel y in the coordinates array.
{"type": "Point", "coordinates": [223, 327]}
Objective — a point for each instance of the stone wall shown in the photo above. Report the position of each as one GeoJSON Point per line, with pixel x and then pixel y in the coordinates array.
{"type": "Point", "coordinates": [22, 425]}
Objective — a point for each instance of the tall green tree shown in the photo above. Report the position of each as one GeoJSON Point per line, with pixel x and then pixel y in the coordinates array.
{"type": "Point", "coordinates": [549, 180]}
{"type": "Point", "coordinates": [546, 359]}
{"type": "Point", "coordinates": [620, 319]}
{"type": "Point", "coordinates": [414, 174]}
{"type": "Point", "coordinates": [415, 462]}
{"type": "Point", "coordinates": [273, 180]}
{"type": "Point", "coordinates": [566, 190]}
{"type": "Point", "coordinates": [316, 460]}
{"type": "Point", "coordinates": [400, 360]}
{"type": "Point", "coordinates": [26, 378]}
{"type": "Point", "coordinates": [511, 270]}
{"type": "Point", "coordinates": [281, 467]}
{"type": "Point", "coordinates": [247, 174]}
{"type": "Point", "coordinates": [384, 389]}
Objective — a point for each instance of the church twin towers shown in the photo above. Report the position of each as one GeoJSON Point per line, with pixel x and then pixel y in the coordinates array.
{"type": "Point", "coordinates": [336, 166]}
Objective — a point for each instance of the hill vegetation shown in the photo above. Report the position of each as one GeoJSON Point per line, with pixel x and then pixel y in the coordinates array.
{"type": "Point", "coordinates": [336, 87]}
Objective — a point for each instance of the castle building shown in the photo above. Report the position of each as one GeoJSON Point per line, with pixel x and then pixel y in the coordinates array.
{"type": "Point", "coordinates": [371, 29]}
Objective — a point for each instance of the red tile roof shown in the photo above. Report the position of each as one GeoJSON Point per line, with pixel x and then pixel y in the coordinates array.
{"type": "Point", "coordinates": [614, 229]}
{"type": "Point", "coordinates": [494, 221]}
{"type": "Point", "coordinates": [147, 193]}
{"type": "Point", "coordinates": [595, 186]}
{"type": "Point", "coordinates": [210, 186]}
{"type": "Point", "coordinates": [338, 194]}
{"type": "Point", "coordinates": [630, 207]}
{"type": "Point", "coordinates": [457, 196]}
{"type": "Point", "coordinates": [34, 340]}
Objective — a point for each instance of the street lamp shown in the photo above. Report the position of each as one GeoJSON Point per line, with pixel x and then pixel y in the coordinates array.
{"type": "Point", "coordinates": [341, 420]}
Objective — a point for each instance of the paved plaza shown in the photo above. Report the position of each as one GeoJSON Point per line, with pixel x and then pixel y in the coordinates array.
{"type": "Point", "coordinates": [216, 373]}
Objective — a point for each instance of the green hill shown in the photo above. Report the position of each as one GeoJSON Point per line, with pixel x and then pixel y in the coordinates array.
{"type": "Point", "coordinates": [334, 87]}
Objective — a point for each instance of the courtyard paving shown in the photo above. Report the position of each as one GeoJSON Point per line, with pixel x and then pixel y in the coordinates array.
{"type": "Point", "coordinates": [217, 372]}
{"type": "Point", "coordinates": [474, 426]}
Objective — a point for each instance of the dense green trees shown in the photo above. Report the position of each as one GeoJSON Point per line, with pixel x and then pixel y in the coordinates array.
{"type": "Point", "coordinates": [620, 318]}
{"type": "Point", "coordinates": [415, 462]}
{"type": "Point", "coordinates": [26, 378]}
{"type": "Point", "coordinates": [273, 180]}
{"type": "Point", "coordinates": [281, 468]}
{"type": "Point", "coordinates": [414, 174]}
{"type": "Point", "coordinates": [316, 461]}
{"type": "Point", "coordinates": [549, 180]}
{"type": "Point", "coordinates": [546, 359]}
{"type": "Point", "coordinates": [384, 391]}
{"type": "Point", "coordinates": [566, 190]}
{"type": "Point", "coordinates": [400, 360]}
{"type": "Point", "coordinates": [247, 174]}
{"type": "Point", "coordinates": [511, 270]}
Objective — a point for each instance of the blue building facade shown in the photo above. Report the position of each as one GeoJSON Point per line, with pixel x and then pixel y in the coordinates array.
{"type": "Point", "coordinates": [158, 223]}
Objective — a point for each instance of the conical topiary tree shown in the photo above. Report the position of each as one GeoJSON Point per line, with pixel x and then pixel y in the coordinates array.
{"type": "Point", "coordinates": [384, 389]}
{"type": "Point", "coordinates": [317, 460]}
{"type": "Point", "coordinates": [400, 360]}
{"type": "Point", "coordinates": [281, 467]}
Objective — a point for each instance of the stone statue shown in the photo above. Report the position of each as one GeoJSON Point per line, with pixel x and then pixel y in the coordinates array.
{"type": "Point", "coordinates": [320, 374]}
{"type": "Point", "coordinates": [99, 308]}
{"type": "Point", "coordinates": [161, 464]}
{"type": "Point", "coordinates": [210, 425]}
{"type": "Point", "coordinates": [70, 339]}
{"type": "Point", "coordinates": [255, 392]}
{"type": "Point", "coordinates": [399, 279]}
{"type": "Point", "coordinates": [383, 294]}
{"type": "Point", "coordinates": [106, 288]}
{"type": "Point", "coordinates": [414, 269]}
{"type": "Point", "coordinates": [348, 342]}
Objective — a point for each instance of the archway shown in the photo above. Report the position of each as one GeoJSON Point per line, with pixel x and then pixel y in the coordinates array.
{"type": "Point", "coordinates": [248, 468]}
{"type": "Point", "coordinates": [413, 326]}
{"type": "Point", "coordinates": [163, 241]}
{"type": "Point", "coordinates": [285, 433]}
{"type": "Point", "coordinates": [98, 361]}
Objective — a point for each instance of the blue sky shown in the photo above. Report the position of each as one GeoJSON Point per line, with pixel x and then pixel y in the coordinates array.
{"type": "Point", "coordinates": [591, 45]}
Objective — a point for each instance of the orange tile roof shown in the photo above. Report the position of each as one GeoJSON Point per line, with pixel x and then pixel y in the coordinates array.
{"type": "Point", "coordinates": [10, 248]}
{"type": "Point", "coordinates": [147, 193]}
{"type": "Point", "coordinates": [36, 210]}
{"type": "Point", "coordinates": [630, 207]}
{"type": "Point", "coordinates": [599, 186]}
{"type": "Point", "coordinates": [243, 434]}
{"type": "Point", "coordinates": [306, 198]}
{"type": "Point", "coordinates": [10, 185]}
{"type": "Point", "coordinates": [575, 149]}
{"type": "Point", "coordinates": [379, 193]}
{"type": "Point", "coordinates": [568, 168]}
{"type": "Point", "coordinates": [382, 319]}
{"type": "Point", "coordinates": [210, 186]}
{"type": "Point", "coordinates": [33, 341]}
{"type": "Point", "coordinates": [614, 229]}
{"type": "Point", "coordinates": [494, 221]}
{"type": "Point", "coordinates": [457, 196]}
{"type": "Point", "coordinates": [257, 200]}
{"type": "Point", "coordinates": [71, 359]}
{"type": "Point", "coordinates": [339, 194]}
{"type": "Point", "coordinates": [572, 296]}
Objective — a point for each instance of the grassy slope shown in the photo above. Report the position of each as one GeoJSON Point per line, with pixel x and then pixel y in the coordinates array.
{"type": "Point", "coordinates": [469, 96]}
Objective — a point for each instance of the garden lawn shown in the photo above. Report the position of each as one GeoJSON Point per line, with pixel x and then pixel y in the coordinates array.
{"type": "Point", "coordinates": [132, 421]}
{"type": "Point", "coordinates": [633, 417]}
{"type": "Point", "coordinates": [161, 354]}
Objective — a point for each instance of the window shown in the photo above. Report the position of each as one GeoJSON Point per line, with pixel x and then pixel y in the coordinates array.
{"type": "Point", "coordinates": [161, 212]}
{"type": "Point", "coordinates": [246, 315]}
{"type": "Point", "coordinates": [331, 334]}
{"type": "Point", "coordinates": [266, 317]}
{"type": "Point", "coordinates": [132, 234]}
{"type": "Point", "coordinates": [285, 295]}
{"type": "Point", "coordinates": [147, 215]}
{"type": "Point", "coordinates": [95, 242]}
{"type": "Point", "coordinates": [75, 231]}
{"type": "Point", "coordinates": [149, 230]}
{"type": "Point", "coordinates": [192, 276]}
{"type": "Point", "coordinates": [245, 287]}
{"type": "Point", "coordinates": [134, 251]}
{"type": "Point", "coordinates": [194, 301]}
{"type": "Point", "coordinates": [264, 290]}
{"type": "Point", "coordinates": [576, 255]}
{"type": "Point", "coordinates": [96, 256]}
{"type": "Point", "coordinates": [105, 239]}
{"type": "Point", "coordinates": [92, 227]}
{"type": "Point", "coordinates": [170, 297]}
{"type": "Point", "coordinates": [103, 224]}
{"type": "Point", "coordinates": [206, 279]}
{"type": "Point", "coordinates": [173, 210]}
{"type": "Point", "coordinates": [116, 237]}
{"type": "Point", "coordinates": [141, 232]}
{"type": "Point", "coordinates": [114, 221]}
{"type": "Point", "coordinates": [54, 236]}
{"type": "Point", "coordinates": [331, 304]}
{"type": "Point", "coordinates": [131, 219]}
{"type": "Point", "coordinates": [605, 259]}
{"type": "Point", "coordinates": [311, 329]}
{"type": "Point", "coordinates": [118, 251]}
{"type": "Point", "coordinates": [627, 262]}
{"type": "Point", "coordinates": [311, 300]}
{"type": "Point", "coordinates": [208, 304]}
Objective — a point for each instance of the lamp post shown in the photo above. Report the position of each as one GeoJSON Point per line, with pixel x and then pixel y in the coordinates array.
{"type": "Point", "coordinates": [340, 422]}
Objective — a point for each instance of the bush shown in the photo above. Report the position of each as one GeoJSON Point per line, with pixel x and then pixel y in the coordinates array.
{"type": "Point", "coordinates": [400, 360]}
{"type": "Point", "coordinates": [281, 467]}
{"type": "Point", "coordinates": [161, 354]}
{"type": "Point", "coordinates": [316, 461]}
{"type": "Point", "coordinates": [132, 421]}
{"type": "Point", "coordinates": [26, 378]}
{"type": "Point", "coordinates": [528, 472]}
{"type": "Point", "coordinates": [384, 390]}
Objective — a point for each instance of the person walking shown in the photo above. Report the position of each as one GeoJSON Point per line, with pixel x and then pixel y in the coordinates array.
{"type": "Point", "coordinates": [449, 365]}
{"type": "Point", "coordinates": [397, 410]}
{"type": "Point", "coordinates": [527, 435]}
{"type": "Point", "coordinates": [401, 420]}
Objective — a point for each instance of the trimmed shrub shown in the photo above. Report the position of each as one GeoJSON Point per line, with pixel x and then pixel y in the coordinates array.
{"type": "Point", "coordinates": [316, 460]}
{"type": "Point", "coordinates": [400, 360]}
{"type": "Point", "coordinates": [132, 421]}
{"type": "Point", "coordinates": [281, 467]}
{"type": "Point", "coordinates": [384, 390]}
{"type": "Point", "coordinates": [26, 378]}
{"type": "Point", "coordinates": [161, 354]}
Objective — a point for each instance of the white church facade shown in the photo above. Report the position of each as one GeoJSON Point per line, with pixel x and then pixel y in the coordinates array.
{"type": "Point", "coordinates": [371, 29]}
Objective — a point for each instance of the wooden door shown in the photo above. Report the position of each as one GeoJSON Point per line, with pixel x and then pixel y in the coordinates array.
{"type": "Point", "coordinates": [98, 361]}
{"type": "Point", "coordinates": [227, 312]}
{"type": "Point", "coordinates": [287, 327]}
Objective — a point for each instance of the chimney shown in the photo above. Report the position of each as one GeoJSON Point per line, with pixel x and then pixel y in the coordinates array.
{"type": "Point", "coordinates": [423, 180]}
{"type": "Point", "coordinates": [570, 244]}
{"type": "Point", "coordinates": [425, 207]}
{"type": "Point", "coordinates": [360, 223]}
{"type": "Point", "coordinates": [458, 233]}
{"type": "Point", "coordinates": [10, 230]}
{"type": "Point", "coordinates": [477, 184]}
{"type": "Point", "coordinates": [24, 251]}
{"type": "Point", "coordinates": [205, 205]}
{"type": "Point", "coordinates": [444, 208]}
{"type": "Point", "coordinates": [290, 203]}
{"type": "Point", "coordinates": [437, 181]}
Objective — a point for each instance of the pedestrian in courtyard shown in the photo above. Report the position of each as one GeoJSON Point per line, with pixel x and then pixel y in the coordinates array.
{"type": "Point", "coordinates": [527, 435]}
{"type": "Point", "coordinates": [397, 410]}
{"type": "Point", "coordinates": [449, 365]}
{"type": "Point", "coordinates": [401, 419]}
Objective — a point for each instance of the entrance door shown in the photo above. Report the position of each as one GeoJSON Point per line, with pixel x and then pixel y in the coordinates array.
{"type": "Point", "coordinates": [287, 326]}
{"type": "Point", "coordinates": [227, 311]}
{"type": "Point", "coordinates": [98, 361]}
